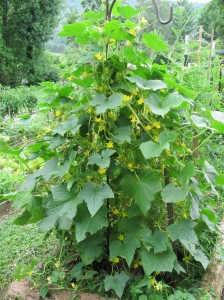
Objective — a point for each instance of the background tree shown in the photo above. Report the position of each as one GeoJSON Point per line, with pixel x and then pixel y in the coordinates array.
{"type": "Point", "coordinates": [94, 5]}
{"type": "Point", "coordinates": [26, 26]}
{"type": "Point", "coordinates": [184, 19]}
{"type": "Point", "coordinates": [212, 17]}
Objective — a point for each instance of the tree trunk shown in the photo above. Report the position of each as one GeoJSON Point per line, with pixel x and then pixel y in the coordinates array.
{"type": "Point", "coordinates": [5, 21]}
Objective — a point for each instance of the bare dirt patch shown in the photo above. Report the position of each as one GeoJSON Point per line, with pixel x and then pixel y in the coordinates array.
{"type": "Point", "coordinates": [23, 290]}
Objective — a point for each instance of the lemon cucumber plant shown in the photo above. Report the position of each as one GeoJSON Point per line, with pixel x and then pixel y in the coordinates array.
{"type": "Point", "coordinates": [119, 182]}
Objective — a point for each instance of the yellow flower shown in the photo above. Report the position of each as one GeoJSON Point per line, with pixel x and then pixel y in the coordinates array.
{"type": "Point", "coordinates": [187, 259]}
{"type": "Point", "coordinates": [115, 211]}
{"type": "Point", "coordinates": [102, 171]}
{"type": "Point", "coordinates": [128, 43]}
{"type": "Point", "coordinates": [73, 285]}
{"type": "Point", "coordinates": [101, 128]}
{"type": "Point", "coordinates": [156, 139]}
{"type": "Point", "coordinates": [68, 176]}
{"type": "Point", "coordinates": [183, 145]}
{"type": "Point", "coordinates": [106, 70]}
{"type": "Point", "coordinates": [29, 273]}
{"type": "Point", "coordinates": [100, 88]}
{"type": "Point", "coordinates": [127, 98]}
{"type": "Point", "coordinates": [7, 139]}
{"type": "Point", "coordinates": [168, 152]}
{"type": "Point", "coordinates": [58, 113]}
{"type": "Point", "coordinates": [116, 260]}
{"type": "Point", "coordinates": [157, 125]}
{"type": "Point", "coordinates": [152, 281]}
{"type": "Point", "coordinates": [158, 286]}
{"type": "Point", "coordinates": [133, 119]}
{"type": "Point", "coordinates": [39, 136]}
{"type": "Point", "coordinates": [49, 278]}
{"type": "Point", "coordinates": [130, 166]}
{"type": "Point", "coordinates": [185, 215]}
{"type": "Point", "coordinates": [86, 152]}
{"type": "Point", "coordinates": [70, 78]}
{"type": "Point", "coordinates": [98, 56]}
{"type": "Point", "coordinates": [141, 100]}
{"type": "Point", "coordinates": [148, 127]}
{"type": "Point", "coordinates": [121, 237]}
{"type": "Point", "coordinates": [147, 109]}
{"type": "Point", "coordinates": [132, 32]}
{"type": "Point", "coordinates": [111, 116]}
{"type": "Point", "coordinates": [98, 120]}
{"type": "Point", "coordinates": [136, 265]}
{"type": "Point", "coordinates": [124, 214]}
{"type": "Point", "coordinates": [144, 21]}
{"type": "Point", "coordinates": [110, 145]}
{"type": "Point", "coordinates": [112, 40]}
{"type": "Point", "coordinates": [89, 110]}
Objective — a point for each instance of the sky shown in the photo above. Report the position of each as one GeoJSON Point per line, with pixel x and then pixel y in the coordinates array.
{"type": "Point", "coordinates": [200, 1]}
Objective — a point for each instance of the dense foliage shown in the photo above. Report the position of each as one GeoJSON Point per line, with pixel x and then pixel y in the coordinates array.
{"type": "Point", "coordinates": [25, 27]}
{"type": "Point", "coordinates": [120, 181]}
{"type": "Point", "coordinates": [212, 18]}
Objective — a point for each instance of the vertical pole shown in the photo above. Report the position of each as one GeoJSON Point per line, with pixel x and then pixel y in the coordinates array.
{"type": "Point", "coordinates": [210, 54]}
{"type": "Point", "coordinates": [199, 45]}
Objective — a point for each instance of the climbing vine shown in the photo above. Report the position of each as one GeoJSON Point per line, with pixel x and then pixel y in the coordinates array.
{"type": "Point", "coordinates": [119, 182]}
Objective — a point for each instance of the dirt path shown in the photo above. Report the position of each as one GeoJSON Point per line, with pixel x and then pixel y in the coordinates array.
{"type": "Point", "coordinates": [5, 210]}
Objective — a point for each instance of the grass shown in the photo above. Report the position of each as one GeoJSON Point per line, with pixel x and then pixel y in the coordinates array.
{"type": "Point", "coordinates": [21, 244]}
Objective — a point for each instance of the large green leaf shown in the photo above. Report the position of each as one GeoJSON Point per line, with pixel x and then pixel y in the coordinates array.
{"type": "Point", "coordinates": [151, 149]}
{"type": "Point", "coordinates": [95, 16]}
{"type": "Point", "coordinates": [183, 230]}
{"type": "Point", "coordinates": [75, 29]}
{"type": "Point", "coordinates": [210, 173]}
{"type": "Point", "coordinates": [134, 57]}
{"type": "Point", "coordinates": [116, 283]}
{"type": "Point", "coordinates": [172, 194]}
{"type": "Point", "coordinates": [45, 172]}
{"type": "Point", "coordinates": [62, 170]}
{"type": "Point", "coordinates": [147, 84]}
{"type": "Point", "coordinates": [187, 172]}
{"type": "Point", "coordinates": [23, 199]}
{"type": "Point", "coordinates": [152, 41]}
{"type": "Point", "coordinates": [123, 134]}
{"type": "Point", "coordinates": [128, 11]}
{"type": "Point", "coordinates": [102, 103]}
{"type": "Point", "coordinates": [84, 223]}
{"type": "Point", "coordinates": [161, 106]}
{"type": "Point", "coordinates": [142, 189]}
{"type": "Point", "coordinates": [61, 209]}
{"type": "Point", "coordinates": [199, 121]}
{"type": "Point", "coordinates": [157, 262]}
{"type": "Point", "coordinates": [218, 116]}
{"type": "Point", "coordinates": [158, 241]}
{"type": "Point", "coordinates": [195, 252]}
{"type": "Point", "coordinates": [125, 249]}
{"type": "Point", "coordinates": [90, 249]}
{"type": "Point", "coordinates": [103, 160]}
{"type": "Point", "coordinates": [94, 195]}
{"type": "Point", "coordinates": [71, 124]}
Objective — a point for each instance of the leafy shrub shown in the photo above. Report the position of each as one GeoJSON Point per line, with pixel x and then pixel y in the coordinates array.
{"type": "Point", "coordinates": [11, 175]}
{"type": "Point", "coordinates": [15, 101]}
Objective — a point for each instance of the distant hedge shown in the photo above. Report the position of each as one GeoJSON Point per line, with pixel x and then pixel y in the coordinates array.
{"type": "Point", "coordinates": [15, 101]}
